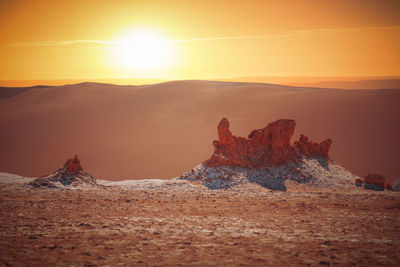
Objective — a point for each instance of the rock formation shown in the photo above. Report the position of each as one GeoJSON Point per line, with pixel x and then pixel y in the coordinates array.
{"type": "Point", "coordinates": [268, 158]}
{"type": "Point", "coordinates": [389, 187]}
{"type": "Point", "coordinates": [269, 146]}
{"type": "Point", "coordinates": [73, 165]}
{"type": "Point", "coordinates": [396, 185]}
{"type": "Point", "coordinates": [359, 182]}
{"type": "Point", "coordinates": [374, 182]}
{"type": "Point", "coordinates": [70, 174]}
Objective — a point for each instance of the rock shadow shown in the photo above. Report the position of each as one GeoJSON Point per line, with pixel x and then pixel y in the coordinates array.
{"type": "Point", "coordinates": [373, 187]}
{"type": "Point", "coordinates": [323, 162]}
{"type": "Point", "coordinates": [269, 182]}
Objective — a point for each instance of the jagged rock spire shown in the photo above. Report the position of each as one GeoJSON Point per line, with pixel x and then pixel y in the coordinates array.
{"type": "Point", "coordinates": [264, 147]}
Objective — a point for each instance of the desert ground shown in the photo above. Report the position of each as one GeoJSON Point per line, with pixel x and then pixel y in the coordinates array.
{"type": "Point", "coordinates": [162, 130]}
{"type": "Point", "coordinates": [181, 223]}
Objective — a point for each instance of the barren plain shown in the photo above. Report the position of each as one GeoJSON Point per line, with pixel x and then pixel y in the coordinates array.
{"type": "Point", "coordinates": [181, 223]}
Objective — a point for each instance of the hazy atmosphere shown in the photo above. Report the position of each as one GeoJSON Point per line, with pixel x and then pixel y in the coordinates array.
{"type": "Point", "coordinates": [47, 40]}
{"type": "Point", "coordinates": [199, 133]}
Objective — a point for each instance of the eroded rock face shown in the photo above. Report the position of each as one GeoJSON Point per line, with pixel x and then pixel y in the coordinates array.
{"type": "Point", "coordinates": [269, 146]}
{"type": "Point", "coordinates": [310, 149]}
{"type": "Point", "coordinates": [73, 165]}
{"type": "Point", "coordinates": [359, 182]}
{"type": "Point", "coordinates": [70, 174]}
{"type": "Point", "coordinates": [396, 185]}
{"type": "Point", "coordinates": [374, 182]}
{"type": "Point", "coordinates": [389, 187]}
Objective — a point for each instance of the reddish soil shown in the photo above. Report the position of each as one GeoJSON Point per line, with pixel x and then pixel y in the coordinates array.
{"type": "Point", "coordinates": [47, 227]}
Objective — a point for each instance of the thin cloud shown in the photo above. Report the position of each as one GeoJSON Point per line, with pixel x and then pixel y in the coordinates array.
{"type": "Point", "coordinates": [339, 30]}
{"type": "Point", "coordinates": [105, 44]}
{"type": "Point", "coordinates": [62, 43]}
{"type": "Point", "coordinates": [288, 34]}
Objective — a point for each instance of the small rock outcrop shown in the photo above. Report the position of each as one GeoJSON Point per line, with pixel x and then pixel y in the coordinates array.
{"type": "Point", "coordinates": [70, 174]}
{"type": "Point", "coordinates": [374, 182]}
{"type": "Point", "coordinates": [389, 187]}
{"type": "Point", "coordinates": [73, 165]}
{"type": "Point", "coordinates": [269, 146]}
{"type": "Point", "coordinates": [396, 185]}
{"type": "Point", "coordinates": [359, 182]}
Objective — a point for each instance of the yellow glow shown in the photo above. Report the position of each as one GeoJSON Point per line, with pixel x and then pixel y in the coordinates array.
{"type": "Point", "coordinates": [141, 49]}
{"type": "Point", "coordinates": [170, 40]}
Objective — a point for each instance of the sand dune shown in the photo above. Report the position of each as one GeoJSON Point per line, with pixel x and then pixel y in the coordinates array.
{"type": "Point", "coordinates": [343, 82]}
{"type": "Point", "coordinates": [162, 130]}
{"type": "Point", "coordinates": [361, 84]}
{"type": "Point", "coordinates": [6, 92]}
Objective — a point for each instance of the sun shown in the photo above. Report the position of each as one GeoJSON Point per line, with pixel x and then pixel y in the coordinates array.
{"type": "Point", "coordinates": [142, 49]}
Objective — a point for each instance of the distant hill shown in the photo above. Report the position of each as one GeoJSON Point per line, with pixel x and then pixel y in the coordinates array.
{"type": "Point", "coordinates": [162, 130]}
{"type": "Point", "coordinates": [29, 83]}
{"type": "Point", "coordinates": [6, 92]}
{"type": "Point", "coordinates": [328, 82]}
{"type": "Point", "coordinates": [363, 84]}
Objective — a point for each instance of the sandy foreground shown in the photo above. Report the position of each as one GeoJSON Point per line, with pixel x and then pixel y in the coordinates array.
{"type": "Point", "coordinates": [172, 223]}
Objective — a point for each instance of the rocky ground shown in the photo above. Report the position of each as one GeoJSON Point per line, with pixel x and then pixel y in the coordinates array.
{"type": "Point", "coordinates": [177, 222]}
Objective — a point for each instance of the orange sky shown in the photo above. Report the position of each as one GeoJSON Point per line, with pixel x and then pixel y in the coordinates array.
{"type": "Point", "coordinates": [47, 39]}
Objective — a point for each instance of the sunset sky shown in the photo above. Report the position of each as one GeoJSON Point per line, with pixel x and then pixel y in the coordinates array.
{"type": "Point", "coordinates": [97, 39]}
